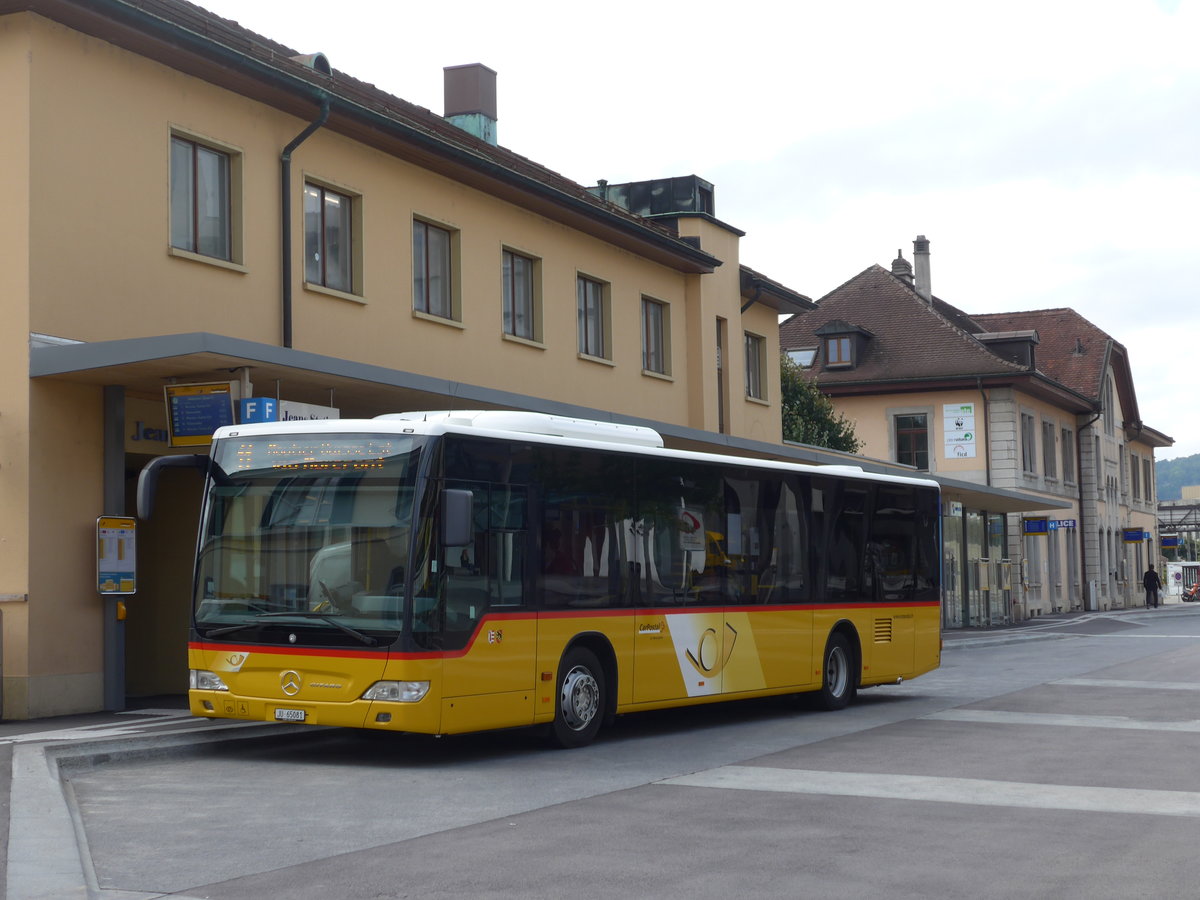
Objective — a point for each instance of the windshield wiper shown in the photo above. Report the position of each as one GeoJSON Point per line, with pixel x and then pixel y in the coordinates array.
{"type": "Point", "coordinates": [301, 614]}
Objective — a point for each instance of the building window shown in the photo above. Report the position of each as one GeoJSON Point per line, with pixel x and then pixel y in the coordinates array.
{"type": "Point", "coordinates": [433, 282]}
{"type": "Point", "coordinates": [803, 356]}
{"type": "Point", "coordinates": [521, 317]}
{"type": "Point", "coordinates": [756, 352]}
{"type": "Point", "coordinates": [328, 238]}
{"type": "Point", "coordinates": [656, 329]}
{"type": "Point", "coordinates": [593, 317]}
{"type": "Point", "coordinates": [837, 351]}
{"type": "Point", "coordinates": [1049, 455]}
{"type": "Point", "coordinates": [1028, 445]}
{"type": "Point", "coordinates": [1148, 479]}
{"type": "Point", "coordinates": [1110, 408]}
{"type": "Point", "coordinates": [1135, 476]}
{"type": "Point", "coordinates": [1068, 455]}
{"type": "Point", "coordinates": [201, 199]}
{"type": "Point", "coordinates": [912, 440]}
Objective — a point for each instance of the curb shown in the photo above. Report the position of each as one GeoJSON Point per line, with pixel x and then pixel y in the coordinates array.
{"type": "Point", "coordinates": [48, 856]}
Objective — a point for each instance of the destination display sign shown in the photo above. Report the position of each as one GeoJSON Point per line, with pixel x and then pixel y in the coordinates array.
{"type": "Point", "coordinates": [195, 411]}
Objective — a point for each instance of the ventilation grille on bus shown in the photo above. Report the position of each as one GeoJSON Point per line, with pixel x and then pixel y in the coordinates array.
{"type": "Point", "coordinates": [883, 631]}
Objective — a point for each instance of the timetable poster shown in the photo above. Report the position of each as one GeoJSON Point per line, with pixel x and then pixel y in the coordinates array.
{"type": "Point", "coordinates": [116, 555]}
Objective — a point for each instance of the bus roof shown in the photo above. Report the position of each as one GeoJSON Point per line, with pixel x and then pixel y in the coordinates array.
{"type": "Point", "coordinates": [543, 428]}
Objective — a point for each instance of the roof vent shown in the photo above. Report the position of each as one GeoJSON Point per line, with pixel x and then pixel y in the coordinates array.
{"type": "Point", "coordinates": [470, 96]}
{"type": "Point", "coordinates": [318, 62]}
{"type": "Point", "coordinates": [902, 268]}
{"type": "Point", "coordinates": [921, 268]}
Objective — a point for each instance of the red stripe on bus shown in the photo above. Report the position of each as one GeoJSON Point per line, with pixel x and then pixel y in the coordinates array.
{"type": "Point", "coordinates": [218, 647]}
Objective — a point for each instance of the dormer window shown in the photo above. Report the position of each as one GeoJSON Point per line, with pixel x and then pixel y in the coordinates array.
{"type": "Point", "coordinates": [842, 344]}
{"type": "Point", "coordinates": [838, 351]}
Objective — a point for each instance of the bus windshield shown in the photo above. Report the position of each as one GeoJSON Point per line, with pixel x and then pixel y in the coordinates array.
{"type": "Point", "coordinates": [308, 532]}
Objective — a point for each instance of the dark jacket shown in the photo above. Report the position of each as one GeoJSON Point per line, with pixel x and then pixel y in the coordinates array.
{"type": "Point", "coordinates": [1150, 580]}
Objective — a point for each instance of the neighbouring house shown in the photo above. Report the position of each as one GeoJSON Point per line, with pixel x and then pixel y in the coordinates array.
{"type": "Point", "coordinates": [1041, 402]}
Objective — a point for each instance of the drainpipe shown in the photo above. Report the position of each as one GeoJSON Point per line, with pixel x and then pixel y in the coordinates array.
{"type": "Point", "coordinates": [987, 438]}
{"type": "Point", "coordinates": [285, 175]}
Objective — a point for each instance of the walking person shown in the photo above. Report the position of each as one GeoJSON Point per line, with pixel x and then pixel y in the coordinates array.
{"type": "Point", "coordinates": [1153, 585]}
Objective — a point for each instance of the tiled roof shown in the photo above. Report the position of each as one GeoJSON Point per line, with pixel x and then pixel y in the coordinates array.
{"type": "Point", "coordinates": [912, 339]}
{"type": "Point", "coordinates": [1071, 350]}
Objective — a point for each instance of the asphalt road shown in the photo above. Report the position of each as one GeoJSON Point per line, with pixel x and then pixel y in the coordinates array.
{"type": "Point", "coordinates": [1053, 760]}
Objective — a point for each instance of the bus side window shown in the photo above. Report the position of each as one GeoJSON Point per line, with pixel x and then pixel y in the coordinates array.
{"type": "Point", "coordinates": [889, 571]}
{"type": "Point", "coordinates": [844, 551]}
{"type": "Point", "coordinates": [773, 550]}
{"type": "Point", "coordinates": [490, 571]}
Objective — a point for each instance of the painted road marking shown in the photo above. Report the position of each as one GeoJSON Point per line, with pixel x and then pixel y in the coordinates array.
{"type": "Point", "coordinates": [966, 791]}
{"type": "Point", "coordinates": [1004, 717]}
{"type": "Point", "coordinates": [1140, 685]}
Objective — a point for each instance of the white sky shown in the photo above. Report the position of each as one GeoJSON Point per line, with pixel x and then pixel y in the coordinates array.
{"type": "Point", "coordinates": [1049, 149]}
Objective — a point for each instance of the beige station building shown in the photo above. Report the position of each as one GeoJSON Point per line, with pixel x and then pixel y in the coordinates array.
{"type": "Point", "coordinates": [407, 262]}
{"type": "Point", "coordinates": [190, 203]}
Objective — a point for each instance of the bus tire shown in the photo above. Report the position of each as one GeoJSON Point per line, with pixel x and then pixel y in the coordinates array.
{"type": "Point", "coordinates": [838, 684]}
{"type": "Point", "coordinates": [580, 702]}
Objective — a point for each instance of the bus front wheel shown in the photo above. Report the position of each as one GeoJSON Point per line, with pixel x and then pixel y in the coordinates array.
{"type": "Point", "coordinates": [579, 709]}
{"type": "Point", "coordinates": [838, 684]}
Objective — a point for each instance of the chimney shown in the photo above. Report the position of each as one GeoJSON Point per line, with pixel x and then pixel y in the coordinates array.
{"type": "Point", "coordinates": [470, 97]}
{"type": "Point", "coordinates": [902, 268]}
{"type": "Point", "coordinates": [921, 267]}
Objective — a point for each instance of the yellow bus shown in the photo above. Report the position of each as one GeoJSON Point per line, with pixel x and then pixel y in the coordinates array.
{"type": "Point", "coordinates": [449, 572]}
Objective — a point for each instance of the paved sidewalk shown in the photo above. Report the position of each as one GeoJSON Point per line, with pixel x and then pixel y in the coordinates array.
{"type": "Point", "coordinates": [43, 848]}
{"type": "Point", "coordinates": [1059, 625]}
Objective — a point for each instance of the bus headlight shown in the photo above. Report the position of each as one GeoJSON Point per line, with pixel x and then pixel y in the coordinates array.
{"type": "Point", "coordinates": [397, 691]}
{"type": "Point", "coordinates": [204, 680]}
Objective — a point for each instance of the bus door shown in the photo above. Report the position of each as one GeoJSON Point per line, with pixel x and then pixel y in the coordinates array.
{"type": "Point", "coordinates": [896, 572]}
{"type": "Point", "coordinates": [682, 642]}
{"type": "Point", "coordinates": [479, 606]}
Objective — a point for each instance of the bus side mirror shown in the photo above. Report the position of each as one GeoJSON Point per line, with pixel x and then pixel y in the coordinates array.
{"type": "Point", "coordinates": [458, 517]}
{"type": "Point", "coordinates": [148, 478]}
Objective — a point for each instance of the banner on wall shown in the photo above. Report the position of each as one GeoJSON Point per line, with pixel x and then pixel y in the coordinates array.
{"type": "Point", "coordinates": [958, 430]}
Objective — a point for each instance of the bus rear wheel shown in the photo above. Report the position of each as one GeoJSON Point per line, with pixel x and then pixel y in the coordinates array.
{"type": "Point", "coordinates": [838, 684]}
{"type": "Point", "coordinates": [579, 709]}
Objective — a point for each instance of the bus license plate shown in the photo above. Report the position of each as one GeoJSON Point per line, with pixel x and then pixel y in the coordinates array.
{"type": "Point", "coordinates": [289, 715]}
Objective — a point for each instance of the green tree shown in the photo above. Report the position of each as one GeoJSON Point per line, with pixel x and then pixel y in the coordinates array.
{"type": "Point", "coordinates": [809, 416]}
